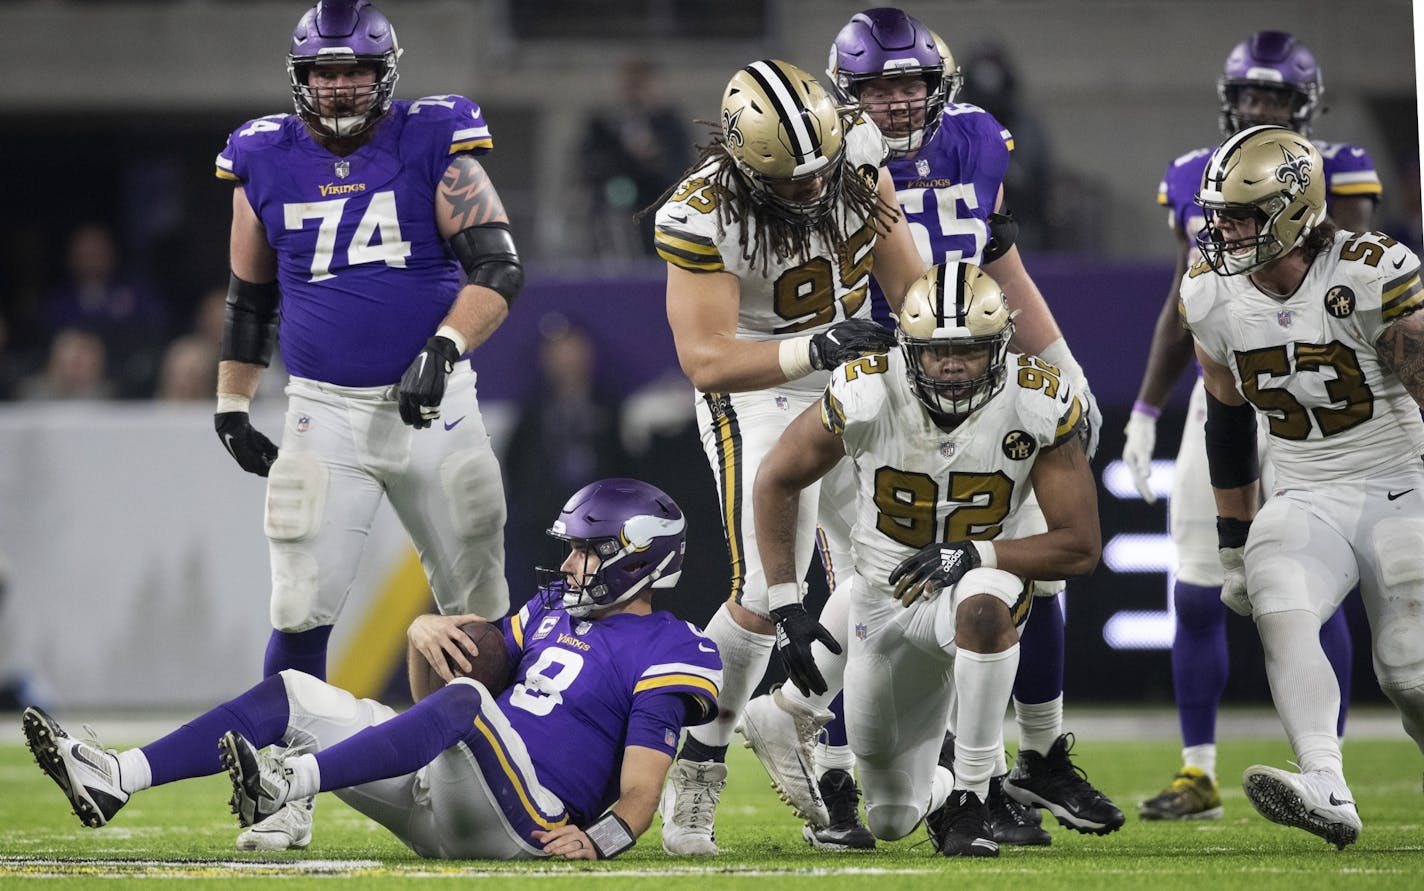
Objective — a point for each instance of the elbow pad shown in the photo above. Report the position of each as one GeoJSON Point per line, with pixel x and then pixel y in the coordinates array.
{"type": "Point", "coordinates": [1003, 231]}
{"type": "Point", "coordinates": [250, 323]}
{"type": "Point", "coordinates": [488, 256]}
{"type": "Point", "coordinates": [1231, 444]}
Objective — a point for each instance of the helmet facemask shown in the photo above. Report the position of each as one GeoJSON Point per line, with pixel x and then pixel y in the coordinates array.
{"type": "Point", "coordinates": [1275, 61]}
{"type": "Point", "coordinates": [343, 32]}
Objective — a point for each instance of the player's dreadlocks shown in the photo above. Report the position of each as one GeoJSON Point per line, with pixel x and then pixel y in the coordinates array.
{"type": "Point", "coordinates": [738, 205]}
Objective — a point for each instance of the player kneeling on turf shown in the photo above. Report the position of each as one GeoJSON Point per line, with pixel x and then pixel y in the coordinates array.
{"type": "Point", "coordinates": [601, 687]}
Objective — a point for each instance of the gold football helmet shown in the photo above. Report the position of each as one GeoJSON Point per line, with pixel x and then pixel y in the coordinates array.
{"type": "Point", "coordinates": [1272, 175]}
{"type": "Point", "coordinates": [954, 318]}
{"type": "Point", "coordinates": [786, 137]}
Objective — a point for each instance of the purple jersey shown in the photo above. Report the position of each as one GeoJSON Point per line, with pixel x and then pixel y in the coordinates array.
{"type": "Point", "coordinates": [577, 683]}
{"type": "Point", "coordinates": [1349, 172]}
{"type": "Point", "coordinates": [364, 274]}
{"type": "Point", "coordinates": [948, 189]}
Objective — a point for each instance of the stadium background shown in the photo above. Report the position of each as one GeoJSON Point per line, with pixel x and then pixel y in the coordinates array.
{"type": "Point", "coordinates": [137, 572]}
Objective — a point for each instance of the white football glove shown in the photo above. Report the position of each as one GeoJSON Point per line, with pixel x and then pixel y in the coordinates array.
{"type": "Point", "coordinates": [1233, 585]}
{"type": "Point", "coordinates": [1057, 354]}
{"type": "Point", "coordinates": [1094, 418]}
{"type": "Point", "coordinates": [1137, 452]}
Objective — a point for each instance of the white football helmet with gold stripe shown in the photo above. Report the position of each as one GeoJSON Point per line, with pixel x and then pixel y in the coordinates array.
{"type": "Point", "coordinates": [1273, 175]}
{"type": "Point", "coordinates": [954, 329]}
{"type": "Point", "coordinates": [786, 137]}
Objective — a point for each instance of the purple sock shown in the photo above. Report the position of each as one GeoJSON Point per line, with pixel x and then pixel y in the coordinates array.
{"type": "Point", "coordinates": [1340, 650]}
{"type": "Point", "coordinates": [1199, 660]}
{"type": "Point", "coordinates": [260, 715]}
{"type": "Point", "coordinates": [403, 744]}
{"type": "Point", "coordinates": [1040, 677]}
{"type": "Point", "coordinates": [835, 730]}
{"type": "Point", "coordinates": [302, 650]}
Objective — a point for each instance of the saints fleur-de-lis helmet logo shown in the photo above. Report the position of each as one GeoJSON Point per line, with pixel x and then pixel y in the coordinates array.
{"type": "Point", "coordinates": [1294, 171]}
{"type": "Point", "coordinates": [730, 131]}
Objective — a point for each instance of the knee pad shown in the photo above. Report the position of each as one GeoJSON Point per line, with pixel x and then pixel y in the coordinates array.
{"type": "Point", "coordinates": [312, 698]}
{"type": "Point", "coordinates": [296, 497]}
{"type": "Point", "coordinates": [889, 822]}
{"type": "Point", "coordinates": [1398, 544]}
{"type": "Point", "coordinates": [476, 494]}
{"type": "Point", "coordinates": [295, 580]}
{"type": "Point", "coordinates": [1002, 586]}
{"type": "Point", "coordinates": [1399, 653]}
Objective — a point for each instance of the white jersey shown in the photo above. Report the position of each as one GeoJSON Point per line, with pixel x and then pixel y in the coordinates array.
{"type": "Point", "coordinates": [1309, 364]}
{"type": "Point", "coordinates": [786, 297]}
{"type": "Point", "coordinates": [918, 483]}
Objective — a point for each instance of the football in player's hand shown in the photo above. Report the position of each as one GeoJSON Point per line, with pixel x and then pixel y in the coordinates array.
{"type": "Point", "coordinates": [491, 666]}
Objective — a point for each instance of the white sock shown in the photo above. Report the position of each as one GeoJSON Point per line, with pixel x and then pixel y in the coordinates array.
{"type": "Point", "coordinates": [305, 776]}
{"type": "Point", "coordinates": [1040, 723]}
{"type": "Point", "coordinates": [940, 787]}
{"type": "Point", "coordinates": [985, 682]}
{"type": "Point", "coordinates": [135, 773]}
{"type": "Point", "coordinates": [1304, 687]}
{"type": "Point", "coordinates": [1202, 757]}
{"type": "Point", "coordinates": [833, 758]}
{"type": "Point", "coordinates": [744, 658]}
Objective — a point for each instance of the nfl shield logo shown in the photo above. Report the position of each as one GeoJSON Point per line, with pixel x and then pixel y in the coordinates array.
{"type": "Point", "coordinates": [782, 403]}
{"type": "Point", "coordinates": [1283, 318]}
{"type": "Point", "coordinates": [922, 166]}
{"type": "Point", "coordinates": [582, 628]}
{"type": "Point", "coordinates": [861, 631]}
{"type": "Point", "coordinates": [343, 168]}
{"type": "Point", "coordinates": [946, 449]}
{"type": "Point", "coordinates": [303, 424]}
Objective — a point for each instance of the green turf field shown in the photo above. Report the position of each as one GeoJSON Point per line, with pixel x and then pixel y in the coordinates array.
{"type": "Point", "coordinates": [184, 832]}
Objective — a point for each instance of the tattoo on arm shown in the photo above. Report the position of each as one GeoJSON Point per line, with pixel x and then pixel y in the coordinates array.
{"type": "Point", "coordinates": [470, 196]}
{"type": "Point", "coordinates": [1401, 349]}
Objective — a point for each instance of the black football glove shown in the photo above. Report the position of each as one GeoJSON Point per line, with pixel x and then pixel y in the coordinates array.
{"type": "Point", "coordinates": [848, 340]}
{"type": "Point", "coordinates": [942, 563]}
{"type": "Point", "coordinates": [795, 632]}
{"type": "Point", "coordinates": [253, 451]}
{"type": "Point", "coordinates": [422, 387]}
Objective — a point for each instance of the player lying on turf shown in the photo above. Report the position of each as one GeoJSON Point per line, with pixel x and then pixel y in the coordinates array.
{"type": "Point", "coordinates": [602, 686]}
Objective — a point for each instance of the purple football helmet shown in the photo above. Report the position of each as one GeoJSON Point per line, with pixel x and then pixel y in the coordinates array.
{"type": "Point", "coordinates": [1270, 60]}
{"type": "Point", "coordinates": [345, 32]}
{"type": "Point", "coordinates": [887, 42]}
{"type": "Point", "coordinates": [638, 533]}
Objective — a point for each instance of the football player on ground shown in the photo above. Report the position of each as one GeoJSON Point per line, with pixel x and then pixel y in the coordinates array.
{"type": "Point", "coordinates": [1270, 78]}
{"type": "Point", "coordinates": [352, 220]}
{"type": "Point", "coordinates": [947, 433]}
{"type": "Point", "coordinates": [1320, 332]}
{"type": "Point", "coordinates": [948, 162]}
{"type": "Point", "coordinates": [769, 242]}
{"type": "Point", "coordinates": [602, 686]}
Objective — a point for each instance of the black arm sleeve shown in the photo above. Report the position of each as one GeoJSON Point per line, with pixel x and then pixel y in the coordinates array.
{"type": "Point", "coordinates": [250, 324]}
{"type": "Point", "coordinates": [489, 258]}
{"type": "Point", "coordinates": [1003, 231]}
{"type": "Point", "coordinates": [1231, 444]}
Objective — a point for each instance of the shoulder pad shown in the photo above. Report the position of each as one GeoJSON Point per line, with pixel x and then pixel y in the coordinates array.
{"type": "Point", "coordinates": [685, 229]}
{"type": "Point", "coordinates": [460, 121]}
{"type": "Point", "coordinates": [253, 135]}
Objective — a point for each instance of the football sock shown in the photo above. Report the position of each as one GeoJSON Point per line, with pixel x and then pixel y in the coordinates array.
{"type": "Point", "coordinates": [401, 745]}
{"type": "Point", "coordinates": [940, 787]}
{"type": "Point", "coordinates": [695, 750]}
{"type": "Point", "coordinates": [1199, 660]}
{"type": "Point", "coordinates": [260, 715]}
{"type": "Point", "coordinates": [1340, 650]}
{"type": "Point", "coordinates": [1202, 757]}
{"type": "Point", "coordinates": [834, 733]}
{"type": "Point", "coordinates": [135, 774]}
{"type": "Point", "coordinates": [302, 650]}
{"type": "Point", "coordinates": [745, 655]}
{"type": "Point", "coordinates": [1304, 688]}
{"type": "Point", "coordinates": [1040, 724]}
{"type": "Point", "coordinates": [985, 682]}
{"type": "Point", "coordinates": [833, 758]}
{"type": "Point", "coordinates": [1040, 677]}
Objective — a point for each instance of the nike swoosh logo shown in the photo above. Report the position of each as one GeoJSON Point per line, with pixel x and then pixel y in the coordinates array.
{"type": "Point", "coordinates": [1399, 263]}
{"type": "Point", "coordinates": [1396, 495]}
{"type": "Point", "coordinates": [450, 425]}
{"type": "Point", "coordinates": [706, 649]}
{"type": "Point", "coordinates": [1338, 802]}
{"type": "Point", "coordinates": [227, 443]}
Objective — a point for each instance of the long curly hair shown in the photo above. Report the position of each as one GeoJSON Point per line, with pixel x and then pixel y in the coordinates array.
{"type": "Point", "coordinates": [737, 206]}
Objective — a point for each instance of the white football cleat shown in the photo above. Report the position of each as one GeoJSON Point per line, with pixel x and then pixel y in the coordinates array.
{"type": "Point", "coordinates": [689, 807]}
{"type": "Point", "coordinates": [783, 734]}
{"type": "Point", "coordinates": [87, 774]}
{"type": "Point", "coordinates": [287, 830]}
{"type": "Point", "coordinates": [259, 784]}
{"type": "Point", "coordinates": [1317, 801]}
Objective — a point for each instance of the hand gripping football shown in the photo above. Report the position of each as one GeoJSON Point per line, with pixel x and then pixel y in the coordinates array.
{"type": "Point", "coordinates": [491, 667]}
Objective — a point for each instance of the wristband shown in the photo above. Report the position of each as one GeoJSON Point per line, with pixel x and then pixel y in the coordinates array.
{"type": "Point", "coordinates": [1146, 408]}
{"type": "Point", "coordinates": [1057, 353]}
{"type": "Point", "coordinates": [795, 357]}
{"type": "Point", "coordinates": [1231, 532]}
{"type": "Point", "coordinates": [455, 337]}
{"type": "Point", "coordinates": [610, 836]}
{"type": "Point", "coordinates": [233, 402]}
{"type": "Point", "coordinates": [988, 556]}
{"type": "Point", "coordinates": [783, 594]}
